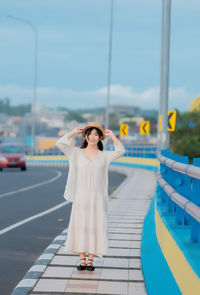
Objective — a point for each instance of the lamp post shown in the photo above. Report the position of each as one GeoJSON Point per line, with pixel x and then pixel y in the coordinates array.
{"type": "Point", "coordinates": [34, 76]}
{"type": "Point", "coordinates": [161, 80]}
{"type": "Point", "coordinates": [163, 135]}
{"type": "Point", "coordinates": [164, 81]}
{"type": "Point", "coordinates": [109, 69]}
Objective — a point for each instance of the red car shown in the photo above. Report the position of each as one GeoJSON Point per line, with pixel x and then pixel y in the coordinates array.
{"type": "Point", "coordinates": [12, 155]}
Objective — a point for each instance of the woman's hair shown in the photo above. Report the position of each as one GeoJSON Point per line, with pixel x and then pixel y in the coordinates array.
{"type": "Point", "coordinates": [99, 144]}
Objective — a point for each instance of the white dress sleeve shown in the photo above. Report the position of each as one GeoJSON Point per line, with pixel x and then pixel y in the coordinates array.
{"type": "Point", "coordinates": [117, 153]}
{"type": "Point", "coordinates": [63, 143]}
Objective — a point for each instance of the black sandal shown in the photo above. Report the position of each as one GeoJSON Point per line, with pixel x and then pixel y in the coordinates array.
{"type": "Point", "coordinates": [90, 266]}
{"type": "Point", "coordinates": [81, 266]}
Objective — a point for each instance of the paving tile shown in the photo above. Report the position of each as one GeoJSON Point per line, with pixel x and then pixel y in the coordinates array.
{"type": "Point", "coordinates": [65, 260]}
{"type": "Point", "coordinates": [118, 252]}
{"type": "Point", "coordinates": [136, 288]}
{"type": "Point", "coordinates": [50, 285]}
{"type": "Point", "coordinates": [124, 236]}
{"type": "Point", "coordinates": [58, 271]}
{"type": "Point", "coordinates": [62, 251]}
{"type": "Point", "coordinates": [114, 274]}
{"type": "Point", "coordinates": [134, 262]}
{"type": "Point", "coordinates": [135, 244]}
{"type": "Point", "coordinates": [119, 244]}
{"type": "Point", "coordinates": [98, 261]}
{"type": "Point", "coordinates": [129, 220]}
{"type": "Point", "coordinates": [115, 262]}
{"type": "Point", "coordinates": [125, 230]}
{"type": "Point", "coordinates": [135, 274]}
{"type": "Point", "coordinates": [137, 230]}
{"type": "Point", "coordinates": [85, 274]}
{"type": "Point", "coordinates": [82, 286]}
{"type": "Point", "coordinates": [129, 225]}
{"type": "Point", "coordinates": [135, 252]}
{"type": "Point", "coordinates": [117, 288]}
{"type": "Point", "coordinates": [117, 214]}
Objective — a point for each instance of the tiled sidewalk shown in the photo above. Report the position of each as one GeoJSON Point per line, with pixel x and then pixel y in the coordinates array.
{"type": "Point", "coordinates": [118, 272]}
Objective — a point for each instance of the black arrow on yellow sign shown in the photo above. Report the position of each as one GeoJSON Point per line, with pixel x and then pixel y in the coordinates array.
{"type": "Point", "coordinates": [144, 127]}
{"type": "Point", "coordinates": [169, 123]}
{"type": "Point", "coordinates": [145, 124]}
{"type": "Point", "coordinates": [123, 129]}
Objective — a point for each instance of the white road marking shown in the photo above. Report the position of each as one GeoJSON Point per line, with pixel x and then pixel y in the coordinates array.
{"type": "Point", "coordinates": [10, 227]}
{"type": "Point", "coordinates": [59, 174]}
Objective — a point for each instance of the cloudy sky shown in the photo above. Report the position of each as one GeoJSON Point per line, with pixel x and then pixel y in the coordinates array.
{"type": "Point", "coordinates": [73, 52]}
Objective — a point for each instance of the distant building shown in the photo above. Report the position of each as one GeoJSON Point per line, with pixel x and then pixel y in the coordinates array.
{"type": "Point", "coordinates": [94, 117]}
{"type": "Point", "coordinates": [8, 126]}
{"type": "Point", "coordinates": [52, 118]}
{"type": "Point", "coordinates": [137, 120]}
{"type": "Point", "coordinates": [123, 110]}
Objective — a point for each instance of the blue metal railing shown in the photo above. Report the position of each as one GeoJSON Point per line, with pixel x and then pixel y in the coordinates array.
{"type": "Point", "coordinates": [134, 150]}
{"type": "Point", "coordinates": [179, 190]}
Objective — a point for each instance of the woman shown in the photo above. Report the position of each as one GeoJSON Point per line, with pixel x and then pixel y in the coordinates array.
{"type": "Point", "coordinates": [87, 231]}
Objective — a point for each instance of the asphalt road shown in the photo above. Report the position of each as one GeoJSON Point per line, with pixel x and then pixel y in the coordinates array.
{"type": "Point", "coordinates": [24, 236]}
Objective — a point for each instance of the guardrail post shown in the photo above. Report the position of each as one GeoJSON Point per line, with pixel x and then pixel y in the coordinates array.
{"type": "Point", "coordinates": [167, 176]}
{"type": "Point", "coordinates": [195, 197]}
{"type": "Point", "coordinates": [182, 184]}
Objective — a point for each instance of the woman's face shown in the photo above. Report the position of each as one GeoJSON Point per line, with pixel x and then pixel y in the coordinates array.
{"type": "Point", "coordinates": [93, 137]}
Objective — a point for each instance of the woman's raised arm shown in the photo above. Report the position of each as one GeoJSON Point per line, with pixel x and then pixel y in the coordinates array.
{"type": "Point", "coordinates": [118, 145]}
{"type": "Point", "coordinates": [63, 143]}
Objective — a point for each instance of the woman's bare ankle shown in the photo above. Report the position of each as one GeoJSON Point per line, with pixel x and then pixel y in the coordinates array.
{"type": "Point", "coordinates": [82, 258]}
{"type": "Point", "coordinates": [90, 259]}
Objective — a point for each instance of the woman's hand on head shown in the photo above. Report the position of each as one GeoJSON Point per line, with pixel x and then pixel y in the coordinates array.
{"type": "Point", "coordinates": [77, 130]}
{"type": "Point", "coordinates": [108, 132]}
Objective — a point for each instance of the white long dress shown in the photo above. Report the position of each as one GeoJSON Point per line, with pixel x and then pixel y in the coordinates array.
{"type": "Point", "coordinates": [87, 230]}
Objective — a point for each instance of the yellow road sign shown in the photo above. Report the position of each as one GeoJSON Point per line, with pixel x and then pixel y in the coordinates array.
{"type": "Point", "coordinates": [123, 129]}
{"type": "Point", "coordinates": [145, 127]}
{"type": "Point", "coordinates": [171, 121]}
{"type": "Point", "coordinates": [160, 123]}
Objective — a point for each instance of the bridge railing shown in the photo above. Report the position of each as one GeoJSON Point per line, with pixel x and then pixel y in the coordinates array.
{"type": "Point", "coordinates": [179, 190]}
{"type": "Point", "coordinates": [132, 150]}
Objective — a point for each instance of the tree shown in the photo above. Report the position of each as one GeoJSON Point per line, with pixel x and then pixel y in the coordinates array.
{"type": "Point", "coordinates": [185, 140]}
{"type": "Point", "coordinates": [75, 116]}
{"type": "Point", "coordinates": [19, 110]}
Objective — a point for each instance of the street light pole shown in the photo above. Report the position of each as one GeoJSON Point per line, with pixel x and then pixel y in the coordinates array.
{"type": "Point", "coordinates": [34, 76]}
{"type": "Point", "coordinates": [164, 83]}
{"type": "Point", "coordinates": [109, 68]}
{"type": "Point", "coordinates": [161, 79]}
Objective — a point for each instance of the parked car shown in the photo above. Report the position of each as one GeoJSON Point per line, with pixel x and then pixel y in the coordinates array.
{"type": "Point", "coordinates": [12, 155]}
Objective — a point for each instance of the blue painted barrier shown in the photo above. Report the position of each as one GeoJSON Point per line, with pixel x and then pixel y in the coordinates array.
{"type": "Point", "coordinates": [186, 186]}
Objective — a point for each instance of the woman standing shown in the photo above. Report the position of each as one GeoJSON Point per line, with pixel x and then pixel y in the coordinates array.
{"type": "Point", "coordinates": [87, 231]}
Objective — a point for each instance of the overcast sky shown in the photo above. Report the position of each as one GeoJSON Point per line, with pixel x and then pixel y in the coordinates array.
{"type": "Point", "coordinates": [73, 52]}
